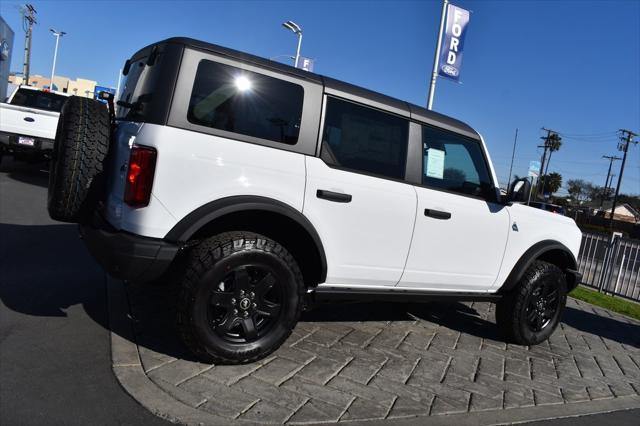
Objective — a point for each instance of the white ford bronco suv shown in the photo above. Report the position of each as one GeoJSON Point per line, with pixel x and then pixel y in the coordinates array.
{"type": "Point", "coordinates": [255, 187]}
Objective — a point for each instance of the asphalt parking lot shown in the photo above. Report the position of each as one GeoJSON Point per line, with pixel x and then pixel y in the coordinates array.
{"type": "Point", "coordinates": [55, 359]}
{"type": "Point", "coordinates": [374, 363]}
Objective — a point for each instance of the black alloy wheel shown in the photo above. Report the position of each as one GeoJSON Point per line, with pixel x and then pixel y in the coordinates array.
{"type": "Point", "coordinates": [246, 303]}
{"type": "Point", "coordinates": [530, 312]}
{"type": "Point", "coordinates": [542, 305]}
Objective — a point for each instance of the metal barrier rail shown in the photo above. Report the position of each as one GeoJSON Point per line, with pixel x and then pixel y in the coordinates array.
{"type": "Point", "coordinates": [610, 264]}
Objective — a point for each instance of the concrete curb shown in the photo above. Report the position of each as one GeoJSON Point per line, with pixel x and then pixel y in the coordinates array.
{"type": "Point", "coordinates": [129, 372]}
{"type": "Point", "coordinates": [128, 369]}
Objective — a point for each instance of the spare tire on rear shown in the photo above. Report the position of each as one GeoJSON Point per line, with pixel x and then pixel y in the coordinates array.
{"type": "Point", "coordinates": [78, 159]}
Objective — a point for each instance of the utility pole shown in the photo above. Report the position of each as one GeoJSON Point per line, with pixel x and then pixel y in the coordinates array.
{"type": "Point", "coordinates": [513, 154]}
{"type": "Point", "coordinates": [624, 147]}
{"type": "Point", "coordinates": [29, 18]}
{"type": "Point", "coordinates": [605, 193]}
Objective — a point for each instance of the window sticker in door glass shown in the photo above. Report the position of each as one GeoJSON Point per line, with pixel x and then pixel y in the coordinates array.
{"type": "Point", "coordinates": [434, 163]}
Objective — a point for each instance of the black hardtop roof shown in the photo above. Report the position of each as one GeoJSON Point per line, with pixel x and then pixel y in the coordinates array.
{"type": "Point", "coordinates": [416, 111]}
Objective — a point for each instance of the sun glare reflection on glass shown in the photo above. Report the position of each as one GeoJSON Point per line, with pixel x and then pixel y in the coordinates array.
{"type": "Point", "coordinates": [243, 83]}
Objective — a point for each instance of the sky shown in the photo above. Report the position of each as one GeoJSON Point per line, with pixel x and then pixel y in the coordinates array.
{"type": "Point", "coordinates": [569, 66]}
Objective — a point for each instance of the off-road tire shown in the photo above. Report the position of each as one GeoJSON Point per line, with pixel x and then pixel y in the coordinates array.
{"type": "Point", "coordinates": [511, 310]}
{"type": "Point", "coordinates": [78, 159]}
{"type": "Point", "coordinates": [203, 268]}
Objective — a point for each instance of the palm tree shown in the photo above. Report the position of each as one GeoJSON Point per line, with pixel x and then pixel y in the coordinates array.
{"type": "Point", "coordinates": [554, 143]}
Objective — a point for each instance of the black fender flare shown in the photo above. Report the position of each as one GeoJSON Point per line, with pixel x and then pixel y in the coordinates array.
{"type": "Point", "coordinates": [203, 215]}
{"type": "Point", "coordinates": [533, 253]}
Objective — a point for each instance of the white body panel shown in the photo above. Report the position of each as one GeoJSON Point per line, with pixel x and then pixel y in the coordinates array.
{"type": "Point", "coordinates": [194, 169]}
{"type": "Point", "coordinates": [380, 239]}
{"type": "Point", "coordinates": [12, 120]}
{"type": "Point", "coordinates": [535, 225]}
{"type": "Point", "coordinates": [366, 241]}
{"type": "Point", "coordinates": [462, 253]}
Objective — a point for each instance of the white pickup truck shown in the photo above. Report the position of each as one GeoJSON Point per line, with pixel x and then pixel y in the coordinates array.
{"type": "Point", "coordinates": [28, 122]}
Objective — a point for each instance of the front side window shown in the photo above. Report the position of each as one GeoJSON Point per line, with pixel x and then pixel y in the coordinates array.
{"type": "Point", "coordinates": [364, 139]}
{"type": "Point", "coordinates": [455, 163]}
{"type": "Point", "coordinates": [244, 102]}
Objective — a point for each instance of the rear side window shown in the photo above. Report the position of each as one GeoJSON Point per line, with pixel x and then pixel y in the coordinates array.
{"type": "Point", "coordinates": [38, 99]}
{"type": "Point", "coordinates": [455, 163]}
{"type": "Point", "coordinates": [364, 139]}
{"type": "Point", "coordinates": [244, 102]}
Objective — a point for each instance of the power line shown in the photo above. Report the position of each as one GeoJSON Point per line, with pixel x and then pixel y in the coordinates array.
{"type": "Point", "coordinates": [608, 132]}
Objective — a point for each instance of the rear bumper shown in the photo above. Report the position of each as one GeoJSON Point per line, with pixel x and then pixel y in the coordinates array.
{"type": "Point", "coordinates": [127, 256]}
{"type": "Point", "coordinates": [9, 142]}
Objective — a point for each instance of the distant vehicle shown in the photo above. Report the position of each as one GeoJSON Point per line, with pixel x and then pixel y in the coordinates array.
{"type": "Point", "coordinates": [28, 122]}
{"type": "Point", "coordinates": [553, 208]}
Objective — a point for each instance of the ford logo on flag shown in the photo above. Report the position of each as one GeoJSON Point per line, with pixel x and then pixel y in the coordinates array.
{"type": "Point", "coordinates": [449, 70]}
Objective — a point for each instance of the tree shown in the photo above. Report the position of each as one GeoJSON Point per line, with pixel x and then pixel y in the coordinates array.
{"type": "Point", "coordinates": [597, 192]}
{"type": "Point", "coordinates": [578, 189]}
{"type": "Point", "coordinates": [553, 142]}
{"type": "Point", "coordinates": [552, 183]}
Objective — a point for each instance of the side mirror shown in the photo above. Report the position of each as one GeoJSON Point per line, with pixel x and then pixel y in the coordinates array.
{"type": "Point", "coordinates": [519, 191]}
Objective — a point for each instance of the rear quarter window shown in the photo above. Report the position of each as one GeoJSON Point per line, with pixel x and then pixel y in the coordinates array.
{"type": "Point", "coordinates": [245, 102]}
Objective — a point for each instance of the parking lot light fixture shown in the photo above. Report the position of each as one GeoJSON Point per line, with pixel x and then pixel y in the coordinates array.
{"type": "Point", "coordinates": [295, 28]}
{"type": "Point", "coordinates": [57, 34]}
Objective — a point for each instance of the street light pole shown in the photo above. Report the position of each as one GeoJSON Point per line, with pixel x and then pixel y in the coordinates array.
{"type": "Point", "coordinates": [295, 28]}
{"type": "Point", "coordinates": [55, 53]}
{"type": "Point", "coordinates": [298, 49]}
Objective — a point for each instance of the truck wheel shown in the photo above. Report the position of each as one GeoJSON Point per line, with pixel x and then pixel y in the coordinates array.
{"type": "Point", "coordinates": [77, 159]}
{"type": "Point", "coordinates": [530, 312]}
{"type": "Point", "coordinates": [240, 296]}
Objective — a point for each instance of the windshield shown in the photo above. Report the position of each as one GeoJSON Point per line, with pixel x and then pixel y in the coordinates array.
{"type": "Point", "coordinates": [38, 99]}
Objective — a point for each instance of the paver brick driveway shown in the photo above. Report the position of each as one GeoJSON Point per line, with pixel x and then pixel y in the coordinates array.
{"type": "Point", "coordinates": [378, 360]}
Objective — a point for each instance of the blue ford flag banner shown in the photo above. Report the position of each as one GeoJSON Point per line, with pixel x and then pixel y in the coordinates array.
{"type": "Point", "coordinates": [306, 64]}
{"type": "Point", "coordinates": [453, 42]}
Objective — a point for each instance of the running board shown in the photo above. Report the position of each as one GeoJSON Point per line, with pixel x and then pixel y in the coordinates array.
{"type": "Point", "coordinates": [322, 293]}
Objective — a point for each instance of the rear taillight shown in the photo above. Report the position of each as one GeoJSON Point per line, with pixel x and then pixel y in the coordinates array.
{"type": "Point", "coordinates": [142, 165]}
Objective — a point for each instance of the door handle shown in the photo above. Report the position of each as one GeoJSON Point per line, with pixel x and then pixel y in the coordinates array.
{"type": "Point", "coordinates": [437, 214]}
{"type": "Point", "coordinates": [337, 197]}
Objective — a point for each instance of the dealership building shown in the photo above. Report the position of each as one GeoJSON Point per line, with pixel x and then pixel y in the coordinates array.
{"type": "Point", "coordinates": [6, 47]}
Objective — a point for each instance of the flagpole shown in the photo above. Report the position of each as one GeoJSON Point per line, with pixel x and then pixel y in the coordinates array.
{"type": "Point", "coordinates": [436, 59]}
